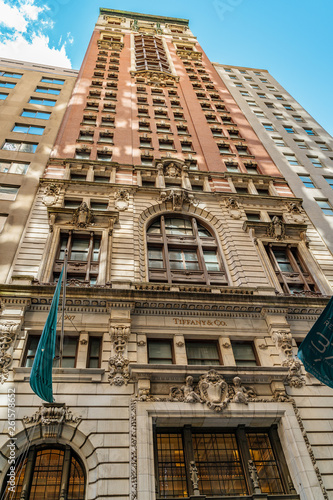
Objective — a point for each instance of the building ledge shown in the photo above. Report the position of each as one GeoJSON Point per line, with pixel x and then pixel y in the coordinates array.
{"type": "Point", "coordinates": [22, 374]}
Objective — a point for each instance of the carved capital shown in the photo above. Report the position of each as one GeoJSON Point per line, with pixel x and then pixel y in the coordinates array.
{"type": "Point", "coordinates": [8, 329]}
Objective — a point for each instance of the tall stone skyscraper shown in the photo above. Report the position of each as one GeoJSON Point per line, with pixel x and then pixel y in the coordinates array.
{"type": "Point", "coordinates": [193, 274]}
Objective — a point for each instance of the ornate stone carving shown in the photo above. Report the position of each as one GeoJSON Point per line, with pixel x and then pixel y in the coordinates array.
{"type": "Point", "coordinates": [141, 343]}
{"type": "Point", "coordinates": [214, 390]}
{"type": "Point", "coordinates": [263, 346]}
{"type": "Point", "coordinates": [133, 451]}
{"type": "Point", "coordinates": [51, 414]}
{"type": "Point", "coordinates": [241, 394]}
{"type": "Point", "coordinates": [51, 194]}
{"type": "Point", "coordinates": [155, 77]}
{"type": "Point", "coordinates": [194, 478]}
{"type": "Point", "coordinates": [189, 54]}
{"type": "Point", "coordinates": [283, 340]}
{"type": "Point", "coordinates": [172, 170]}
{"type": "Point", "coordinates": [233, 206]}
{"type": "Point", "coordinates": [276, 229]}
{"type": "Point", "coordinates": [226, 345]}
{"type": "Point", "coordinates": [296, 211]}
{"type": "Point", "coordinates": [178, 197]}
{"type": "Point", "coordinates": [82, 216]}
{"type": "Point", "coordinates": [254, 476]}
{"type": "Point", "coordinates": [180, 343]}
{"type": "Point", "coordinates": [118, 364]}
{"type": "Point", "coordinates": [8, 330]}
{"type": "Point", "coordinates": [121, 199]}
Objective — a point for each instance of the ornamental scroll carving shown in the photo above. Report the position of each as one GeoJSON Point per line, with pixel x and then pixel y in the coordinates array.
{"type": "Point", "coordinates": [8, 331]}
{"type": "Point", "coordinates": [277, 229]}
{"type": "Point", "coordinates": [52, 414]}
{"type": "Point", "coordinates": [283, 341]}
{"type": "Point", "coordinates": [118, 363]}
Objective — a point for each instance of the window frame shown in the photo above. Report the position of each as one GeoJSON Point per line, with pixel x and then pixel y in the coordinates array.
{"type": "Point", "coordinates": [151, 341]}
{"type": "Point", "coordinates": [165, 241]}
{"type": "Point", "coordinates": [212, 342]}
{"type": "Point", "coordinates": [254, 351]}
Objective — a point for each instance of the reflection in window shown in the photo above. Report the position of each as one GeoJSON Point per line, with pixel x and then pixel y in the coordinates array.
{"type": "Point", "coordinates": [68, 355]}
{"type": "Point", "coordinates": [182, 249]}
{"type": "Point", "coordinates": [244, 353]}
{"type": "Point", "coordinates": [52, 469]}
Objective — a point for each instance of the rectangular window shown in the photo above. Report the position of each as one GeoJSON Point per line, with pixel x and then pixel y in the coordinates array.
{"type": "Point", "coordinates": [262, 96]}
{"type": "Point", "coordinates": [291, 159]}
{"type": "Point", "coordinates": [160, 352]}
{"type": "Point", "coordinates": [254, 217]}
{"type": "Point", "coordinates": [28, 129]}
{"type": "Point", "coordinates": [251, 103]}
{"type": "Point", "coordinates": [301, 144]}
{"type": "Point", "coordinates": [278, 142]}
{"type": "Point", "coordinates": [7, 85]}
{"type": "Point", "coordinates": [255, 87]}
{"type": "Point", "coordinates": [69, 351]}
{"type": "Point", "coordinates": [10, 74]}
{"type": "Point", "coordinates": [52, 80]}
{"type": "Point", "coordinates": [259, 114]}
{"type": "Point", "coordinates": [323, 146]}
{"type": "Point", "coordinates": [3, 96]}
{"type": "Point", "coordinates": [298, 118]}
{"type": "Point", "coordinates": [12, 167]}
{"type": "Point", "coordinates": [44, 102]}
{"type": "Point", "coordinates": [315, 161]}
{"type": "Point", "coordinates": [23, 147]}
{"type": "Point", "coordinates": [99, 205]}
{"type": "Point", "coordinates": [279, 97]}
{"type": "Point", "coordinates": [8, 192]}
{"type": "Point", "coordinates": [288, 107]}
{"type": "Point", "coordinates": [45, 90]}
{"type": "Point", "coordinates": [269, 105]}
{"type": "Point", "coordinates": [325, 206]}
{"type": "Point", "coordinates": [248, 79]}
{"type": "Point", "coordinates": [245, 93]}
{"type": "Point", "coordinates": [293, 276]}
{"type": "Point", "coordinates": [202, 353]}
{"type": "Point", "coordinates": [218, 456]}
{"type": "Point", "coordinates": [42, 115]}
{"type": "Point", "coordinates": [94, 352]}
{"type": "Point", "coordinates": [309, 131]}
{"type": "Point", "coordinates": [268, 126]}
{"type": "Point", "coordinates": [289, 129]}
{"type": "Point", "coordinates": [307, 181]}
{"type": "Point", "coordinates": [244, 353]}
{"type": "Point", "coordinates": [279, 116]}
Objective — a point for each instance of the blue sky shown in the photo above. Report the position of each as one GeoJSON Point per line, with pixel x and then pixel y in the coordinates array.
{"type": "Point", "coordinates": [290, 38]}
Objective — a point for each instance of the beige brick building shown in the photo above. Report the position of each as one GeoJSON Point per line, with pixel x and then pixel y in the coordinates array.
{"type": "Point", "coordinates": [192, 276]}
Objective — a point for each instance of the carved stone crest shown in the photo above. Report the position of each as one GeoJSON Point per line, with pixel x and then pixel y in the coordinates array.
{"type": "Point", "coordinates": [83, 216]}
{"type": "Point", "coordinates": [276, 229]}
{"type": "Point", "coordinates": [51, 194]}
{"type": "Point", "coordinates": [121, 199]}
{"type": "Point", "coordinates": [213, 390]}
{"type": "Point", "coordinates": [172, 170]}
{"type": "Point", "coordinates": [8, 330]}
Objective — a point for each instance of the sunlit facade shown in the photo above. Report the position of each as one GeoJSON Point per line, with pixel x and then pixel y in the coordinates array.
{"type": "Point", "coordinates": [193, 273]}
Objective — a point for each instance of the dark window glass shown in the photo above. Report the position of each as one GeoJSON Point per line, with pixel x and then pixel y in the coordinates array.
{"type": "Point", "coordinates": [94, 352]}
{"type": "Point", "coordinates": [160, 352]}
{"type": "Point", "coordinates": [244, 354]}
{"type": "Point", "coordinates": [202, 353]}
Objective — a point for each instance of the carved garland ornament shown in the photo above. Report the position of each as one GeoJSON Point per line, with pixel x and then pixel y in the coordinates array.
{"type": "Point", "coordinates": [51, 414]}
{"type": "Point", "coordinates": [283, 341]}
{"type": "Point", "coordinates": [8, 330]}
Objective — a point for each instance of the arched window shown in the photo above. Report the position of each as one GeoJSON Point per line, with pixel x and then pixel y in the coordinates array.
{"type": "Point", "coordinates": [181, 249]}
{"type": "Point", "coordinates": [47, 473]}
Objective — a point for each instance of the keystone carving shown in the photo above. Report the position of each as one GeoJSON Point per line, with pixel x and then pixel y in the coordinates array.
{"type": "Point", "coordinates": [121, 199]}
{"type": "Point", "coordinates": [118, 363]}
{"type": "Point", "coordinates": [51, 194]}
{"type": "Point", "coordinates": [51, 414]}
{"type": "Point", "coordinates": [83, 216]}
{"type": "Point", "coordinates": [178, 197]}
{"type": "Point", "coordinates": [8, 330]}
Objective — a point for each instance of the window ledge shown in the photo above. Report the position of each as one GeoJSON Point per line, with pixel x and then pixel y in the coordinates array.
{"type": "Point", "coordinates": [22, 374]}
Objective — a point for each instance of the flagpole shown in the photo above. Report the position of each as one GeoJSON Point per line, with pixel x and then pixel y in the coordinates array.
{"type": "Point", "coordinates": [61, 348]}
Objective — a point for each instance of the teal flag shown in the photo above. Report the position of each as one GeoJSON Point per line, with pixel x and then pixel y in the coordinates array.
{"type": "Point", "coordinates": [316, 350]}
{"type": "Point", "coordinates": [41, 371]}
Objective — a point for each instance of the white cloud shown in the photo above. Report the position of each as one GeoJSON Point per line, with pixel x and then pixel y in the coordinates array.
{"type": "Point", "coordinates": [37, 50]}
{"type": "Point", "coordinates": [30, 10]}
{"type": "Point", "coordinates": [12, 17]}
{"type": "Point", "coordinates": [24, 38]}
